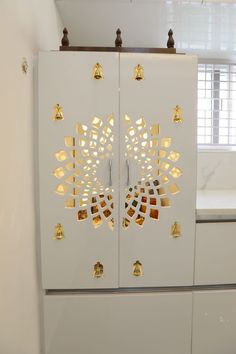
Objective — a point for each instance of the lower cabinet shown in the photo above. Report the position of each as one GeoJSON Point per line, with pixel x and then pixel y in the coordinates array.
{"type": "Point", "coordinates": [214, 322]}
{"type": "Point", "coordinates": [215, 261]}
{"type": "Point", "coordinates": [118, 323]}
{"type": "Point", "coordinates": [200, 322]}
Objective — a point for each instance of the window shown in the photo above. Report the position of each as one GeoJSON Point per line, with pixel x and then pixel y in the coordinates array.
{"type": "Point", "coordinates": [217, 105]}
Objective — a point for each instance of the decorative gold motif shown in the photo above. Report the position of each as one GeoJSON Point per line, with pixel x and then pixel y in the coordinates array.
{"type": "Point", "coordinates": [59, 232]}
{"type": "Point", "coordinates": [138, 73]}
{"type": "Point", "coordinates": [78, 173]}
{"type": "Point", "coordinates": [156, 170]}
{"type": "Point", "coordinates": [175, 229]}
{"type": "Point", "coordinates": [98, 270]}
{"type": "Point", "coordinates": [57, 113]}
{"type": "Point", "coordinates": [137, 269]}
{"type": "Point", "coordinates": [177, 115]}
{"type": "Point", "coordinates": [98, 72]}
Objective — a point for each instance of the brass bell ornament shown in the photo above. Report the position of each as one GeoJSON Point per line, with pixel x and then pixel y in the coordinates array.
{"type": "Point", "coordinates": [138, 73]}
{"type": "Point", "coordinates": [175, 230]}
{"type": "Point", "coordinates": [59, 232]}
{"type": "Point", "coordinates": [57, 113]}
{"type": "Point", "coordinates": [178, 115]}
{"type": "Point", "coordinates": [98, 72]}
{"type": "Point", "coordinates": [98, 270]}
{"type": "Point", "coordinates": [137, 269]}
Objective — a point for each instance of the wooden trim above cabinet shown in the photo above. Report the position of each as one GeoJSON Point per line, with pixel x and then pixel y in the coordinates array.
{"type": "Point", "coordinates": [65, 46]}
{"type": "Point", "coordinates": [118, 49]}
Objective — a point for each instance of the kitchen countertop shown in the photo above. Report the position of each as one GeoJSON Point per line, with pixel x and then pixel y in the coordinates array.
{"type": "Point", "coordinates": [216, 205]}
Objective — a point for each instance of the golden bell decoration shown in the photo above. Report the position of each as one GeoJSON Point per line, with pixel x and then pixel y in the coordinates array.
{"type": "Point", "coordinates": [59, 232]}
{"type": "Point", "coordinates": [175, 230]}
{"type": "Point", "coordinates": [137, 269]}
{"type": "Point", "coordinates": [57, 113]}
{"type": "Point", "coordinates": [178, 115]}
{"type": "Point", "coordinates": [98, 72]}
{"type": "Point", "coordinates": [98, 270]}
{"type": "Point", "coordinates": [138, 73]}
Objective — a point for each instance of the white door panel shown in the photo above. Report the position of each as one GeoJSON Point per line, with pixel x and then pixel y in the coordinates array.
{"type": "Point", "coordinates": [215, 261]}
{"type": "Point", "coordinates": [78, 168]}
{"type": "Point", "coordinates": [118, 323]}
{"type": "Point", "coordinates": [162, 169]}
{"type": "Point", "coordinates": [214, 322]}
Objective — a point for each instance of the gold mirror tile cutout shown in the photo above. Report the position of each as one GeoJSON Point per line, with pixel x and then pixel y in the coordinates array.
{"type": "Point", "coordinates": [155, 162]}
{"type": "Point", "coordinates": [80, 159]}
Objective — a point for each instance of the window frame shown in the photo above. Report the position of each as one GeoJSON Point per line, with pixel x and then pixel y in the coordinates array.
{"type": "Point", "coordinates": [215, 147]}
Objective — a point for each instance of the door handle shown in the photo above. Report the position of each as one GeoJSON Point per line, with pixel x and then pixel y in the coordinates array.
{"type": "Point", "coordinates": [110, 172]}
{"type": "Point", "coordinates": [128, 176]}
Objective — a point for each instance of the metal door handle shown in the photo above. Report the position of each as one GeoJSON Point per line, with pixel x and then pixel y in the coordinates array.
{"type": "Point", "coordinates": [128, 178]}
{"type": "Point", "coordinates": [110, 173]}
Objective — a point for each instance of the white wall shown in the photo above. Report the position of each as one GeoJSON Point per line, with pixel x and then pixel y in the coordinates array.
{"type": "Point", "coordinates": [26, 26]}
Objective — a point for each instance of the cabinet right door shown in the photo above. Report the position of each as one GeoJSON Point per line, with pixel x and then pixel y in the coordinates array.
{"type": "Point", "coordinates": [158, 95]}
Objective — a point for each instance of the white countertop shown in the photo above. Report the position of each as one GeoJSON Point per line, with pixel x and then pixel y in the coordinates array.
{"type": "Point", "coordinates": [219, 204]}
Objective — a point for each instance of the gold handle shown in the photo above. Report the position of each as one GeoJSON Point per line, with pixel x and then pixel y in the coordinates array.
{"type": "Point", "coordinates": [98, 72]}
{"type": "Point", "coordinates": [137, 269]}
{"type": "Point", "coordinates": [98, 270]}
{"type": "Point", "coordinates": [57, 113]}
{"type": "Point", "coordinates": [138, 73]}
{"type": "Point", "coordinates": [178, 115]}
{"type": "Point", "coordinates": [175, 230]}
{"type": "Point", "coordinates": [59, 232]}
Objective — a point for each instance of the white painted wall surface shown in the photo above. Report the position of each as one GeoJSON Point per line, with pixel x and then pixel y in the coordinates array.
{"type": "Point", "coordinates": [26, 26]}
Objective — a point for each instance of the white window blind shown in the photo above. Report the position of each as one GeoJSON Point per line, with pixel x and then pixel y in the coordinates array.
{"type": "Point", "coordinates": [217, 104]}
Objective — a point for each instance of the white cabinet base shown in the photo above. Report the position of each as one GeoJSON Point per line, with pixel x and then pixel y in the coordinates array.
{"type": "Point", "coordinates": [118, 323]}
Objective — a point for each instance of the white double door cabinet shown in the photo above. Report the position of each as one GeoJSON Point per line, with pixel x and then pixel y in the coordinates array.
{"type": "Point", "coordinates": [117, 169]}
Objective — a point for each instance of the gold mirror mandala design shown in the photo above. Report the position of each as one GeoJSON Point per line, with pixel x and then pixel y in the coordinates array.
{"type": "Point", "coordinates": [156, 167]}
{"type": "Point", "coordinates": [77, 174]}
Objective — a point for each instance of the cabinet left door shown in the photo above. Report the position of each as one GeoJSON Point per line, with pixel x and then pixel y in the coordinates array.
{"type": "Point", "coordinates": [78, 169]}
